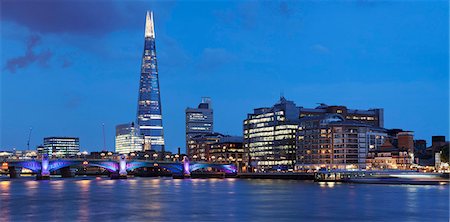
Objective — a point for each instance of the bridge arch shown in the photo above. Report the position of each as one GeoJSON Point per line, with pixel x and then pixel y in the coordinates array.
{"type": "Point", "coordinates": [173, 167]}
{"type": "Point", "coordinates": [34, 166]}
{"type": "Point", "coordinates": [58, 164]}
{"type": "Point", "coordinates": [227, 168]}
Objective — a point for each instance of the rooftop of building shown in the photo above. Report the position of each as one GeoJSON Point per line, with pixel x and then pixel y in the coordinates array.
{"type": "Point", "coordinates": [61, 137]}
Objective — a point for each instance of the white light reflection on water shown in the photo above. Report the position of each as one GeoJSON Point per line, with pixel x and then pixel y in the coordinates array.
{"type": "Point", "coordinates": [5, 198]}
{"type": "Point", "coordinates": [83, 199]}
{"type": "Point", "coordinates": [164, 199]}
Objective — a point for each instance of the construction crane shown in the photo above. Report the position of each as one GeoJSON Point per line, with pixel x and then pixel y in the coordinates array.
{"type": "Point", "coordinates": [104, 139]}
{"type": "Point", "coordinates": [29, 138]}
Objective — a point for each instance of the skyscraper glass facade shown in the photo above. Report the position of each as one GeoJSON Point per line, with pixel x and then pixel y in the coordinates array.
{"type": "Point", "coordinates": [199, 121]}
{"type": "Point", "coordinates": [149, 114]}
{"type": "Point", "coordinates": [269, 137]}
{"type": "Point", "coordinates": [127, 139]}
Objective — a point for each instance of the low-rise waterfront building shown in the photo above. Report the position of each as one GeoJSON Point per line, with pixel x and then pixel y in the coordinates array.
{"type": "Point", "coordinates": [389, 157]}
{"type": "Point", "coordinates": [229, 150]}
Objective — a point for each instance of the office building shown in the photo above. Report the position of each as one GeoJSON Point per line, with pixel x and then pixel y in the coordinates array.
{"type": "Point", "coordinates": [199, 121]}
{"type": "Point", "coordinates": [149, 114]}
{"type": "Point", "coordinates": [269, 137]}
{"type": "Point", "coordinates": [333, 142]}
{"type": "Point", "coordinates": [374, 117]}
{"type": "Point", "coordinates": [40, 149]}
{"type": "Point", "coordinates": [199, 146]}
{"type": "Point", "coordinates": [127, 139]}
{"type": "Point", "coordinates": [229, 150]}
{"type": "Point", "coordinates": [61, 146]}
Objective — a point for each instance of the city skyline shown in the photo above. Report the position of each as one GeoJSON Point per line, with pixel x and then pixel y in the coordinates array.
{"type": "Point", "coordinates": [234, 80]}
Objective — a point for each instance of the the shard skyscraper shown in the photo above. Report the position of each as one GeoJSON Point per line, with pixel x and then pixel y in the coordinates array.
{"type": "Point", "coordinates": [149, 115]}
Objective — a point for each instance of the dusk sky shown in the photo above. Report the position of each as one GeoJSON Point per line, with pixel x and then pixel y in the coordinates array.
{"type": "Point", "coordinates": [69, 66]}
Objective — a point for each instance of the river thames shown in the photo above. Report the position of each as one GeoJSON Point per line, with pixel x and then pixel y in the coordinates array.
{"type": "Point", "coordinates": [166, 199]}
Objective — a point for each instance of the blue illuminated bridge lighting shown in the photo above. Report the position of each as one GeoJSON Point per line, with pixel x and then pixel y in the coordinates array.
{"type": "Point", "coordinates": [46, 165]}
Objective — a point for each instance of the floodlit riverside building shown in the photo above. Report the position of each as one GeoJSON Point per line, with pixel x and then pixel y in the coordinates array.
{"type": "Point", "coordinates": [269, 137]}
{"type": "Point", "coordinates": [333, 142]}
{"type": "Point", "coordinates": [199, 146]}
{"type": "Point", "coordinates": [127, 139]}
{"type": "Point", "coordinates": [149, 114]}
{"type": "Point", "coordinates": [229, 149]}
{"type": "Point", "coordinates": [61, 146]}
{"type": "Point", "coordinates": [389, 157]}
{"type": "Point", "coordinates": [286, 135]}
{"type": "Point", "coordinates": [373, 117]}
{"type": "Point", "coordinates": [199, 121]}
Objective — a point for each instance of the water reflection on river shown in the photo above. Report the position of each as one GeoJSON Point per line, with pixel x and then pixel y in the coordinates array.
{"type": "Point", "coordinates": [166, 199]}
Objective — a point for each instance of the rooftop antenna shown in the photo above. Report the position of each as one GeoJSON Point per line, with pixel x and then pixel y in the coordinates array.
{"type": "Point", "coordinates": [29, 138]}
{"type": "Point", "coordinates": [104, 140]}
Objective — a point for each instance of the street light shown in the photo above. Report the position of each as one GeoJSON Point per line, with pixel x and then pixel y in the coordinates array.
{"type": "Point", "coordinates": [155, 155]}
{"type": "Point", "coordinates": [146, 156]}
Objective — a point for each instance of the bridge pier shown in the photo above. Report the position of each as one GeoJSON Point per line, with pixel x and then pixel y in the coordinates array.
{"type": "Point", "coordinates": [14, 172]}
{"type": "Point", "coordinates": [186, 167]}
{"type": "Point", "coordinates": [44, 174]}
{"type": "Point", "coordinates": [122, 172]}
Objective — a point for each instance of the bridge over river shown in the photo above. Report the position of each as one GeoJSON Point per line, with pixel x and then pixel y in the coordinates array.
{"type": "Point", "coordinates": [118, 168]}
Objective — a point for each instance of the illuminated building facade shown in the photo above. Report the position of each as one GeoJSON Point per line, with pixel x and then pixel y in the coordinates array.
{"type": "Point", "coordinates": [127, 139]}
{"type": "Point", "coordinates": [199, 146]}
{"type": "Point", "coordinates": [199, 121]}
{"type": "Point", "coordinates": [269, 137]}
{"type": "Point", "coordinates": [149, 114]}
{"type": "Point", "coordinates": [229, 149]}
{"type": "Point", "coordinates": [374, 117]}
{"type": "Point", "coordinates": [389, 157]}
{"type": "Point", "coordinates": [61, 146]}
{"type": "Point", "coordinates": [330, 141]}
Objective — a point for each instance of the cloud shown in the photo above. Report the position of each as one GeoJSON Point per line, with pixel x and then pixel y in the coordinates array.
{"type": "Point", "coordinates": [30, 56]}
{"type": "Point", "coordinates": [85, 17]}
{"type": "Point", "coordinates": [285, 9]}
{"type": "Point", "coordinates": [320, 49]}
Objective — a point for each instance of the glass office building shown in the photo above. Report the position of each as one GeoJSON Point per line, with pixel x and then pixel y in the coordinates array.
{"type": "Point", "coordinates": [269, 137]}
{"type": "Point", "coordinates": [61, 146]}
{"type": "Point", "coordinates": [149, 114]}
{"type": "Point", "coordinates": [127, 139]}
{"type": "Point", "coordinates": [199, 121]}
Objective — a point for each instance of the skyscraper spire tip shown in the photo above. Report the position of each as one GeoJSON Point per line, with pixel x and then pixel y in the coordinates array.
{"type": "Point", "coordinates": [149, 25]}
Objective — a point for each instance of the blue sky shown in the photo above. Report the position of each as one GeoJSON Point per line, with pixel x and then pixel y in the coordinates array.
{"type": "Point", "coordinates": [69, 66]}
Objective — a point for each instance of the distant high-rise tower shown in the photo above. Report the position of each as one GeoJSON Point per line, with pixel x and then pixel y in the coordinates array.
{"type": "Point", "coordinates": [149, 115]}
{"type": "Point", "coordinates": [199, 121]}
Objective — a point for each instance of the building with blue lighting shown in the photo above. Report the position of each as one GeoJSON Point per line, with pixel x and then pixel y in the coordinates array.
{"type": "Point", "coordinates": [149, 113]}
